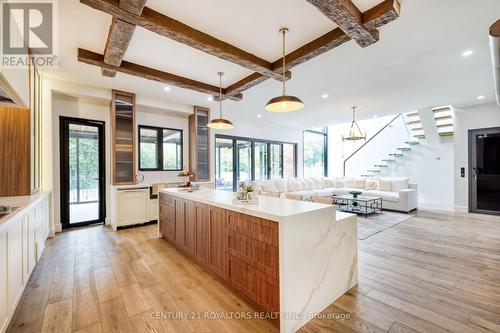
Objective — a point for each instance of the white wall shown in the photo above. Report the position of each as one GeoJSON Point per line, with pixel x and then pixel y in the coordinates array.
{"type": "Point", "coordinates": [468, 118]}
{"type": "Point", "coordinates": [68, 106]}
{"type": "Point", "coordinates": [168, 121]}
{"type": "Point", "coordinates": [428, 164]}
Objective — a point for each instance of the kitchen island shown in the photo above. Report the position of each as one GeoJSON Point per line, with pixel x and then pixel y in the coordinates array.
{"type": "Point", "coordinates": [291, 258]}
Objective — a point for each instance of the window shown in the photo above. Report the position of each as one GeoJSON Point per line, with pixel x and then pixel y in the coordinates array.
{"type": "Point", "coordinates": [160, 149]}
{"type": "Point", "coordinates": [315, 152]}
{"type": "Point", "coordinates": [244, 159]}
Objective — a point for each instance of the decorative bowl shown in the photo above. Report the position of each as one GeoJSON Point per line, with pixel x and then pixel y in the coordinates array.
{"type": "Point", "coordinates": [355, 193]}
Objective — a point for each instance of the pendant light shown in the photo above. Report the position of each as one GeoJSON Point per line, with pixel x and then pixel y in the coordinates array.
{"type": "Point", "coordinates": [355, 133]}
{"type": "Point", "coordinates": [220, 123]}
{"type": "Point", "coordinates": [284, 103]}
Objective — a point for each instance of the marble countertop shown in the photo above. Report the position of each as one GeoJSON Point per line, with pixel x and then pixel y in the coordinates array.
{"type": "Point", "coordinates": [274, 209]}
{"type": "Point", "coordinates": [21, 204]}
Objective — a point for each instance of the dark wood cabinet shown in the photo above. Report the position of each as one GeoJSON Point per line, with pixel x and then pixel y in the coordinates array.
{"type": "Point", "coordinates": [167, 216]}
{"type": "Point", "coordinates": [217, 257]}
{"type": "Point", "coordinates": [202, 233]}
{"type": "Point", "coordinates": [123, 141]}
{"type": "Point", "coordinates": [14, 152]}
{"type": "Point", "coordinates": [190, 227]}
{"type": "Point", "coordinates": [199, 144]}
{"type": "Point", "coordinates": [240, 249]}
{"type": "Point", "coordinates": [180, 230]}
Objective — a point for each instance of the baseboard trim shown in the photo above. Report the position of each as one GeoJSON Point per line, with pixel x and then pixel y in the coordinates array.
{"type": "Point", "coordinates": [461, 209]}
{"type": "Point", "coordinates": [433, 206]}
{"type": "Point", "coordinates": [58, 227]}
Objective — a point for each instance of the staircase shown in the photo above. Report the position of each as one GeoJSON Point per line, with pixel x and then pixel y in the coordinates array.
{"type": "Point", "coordinates": [407, 128]}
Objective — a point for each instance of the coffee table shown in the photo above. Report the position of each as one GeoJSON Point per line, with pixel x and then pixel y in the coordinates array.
{"type": "Point", "coordinates": [360, 205]}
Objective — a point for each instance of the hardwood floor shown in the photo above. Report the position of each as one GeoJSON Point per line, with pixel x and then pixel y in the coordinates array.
{"type": "Point", "coordinates": [433, 273]}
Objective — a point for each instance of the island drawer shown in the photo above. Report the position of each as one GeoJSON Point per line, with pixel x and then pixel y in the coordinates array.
{"type": "Point", "coordinates": [258, 254]}
{"type": "Point", "coordinates": [254, 227]}
{"type": "Point", "coordinates": [260, 287]}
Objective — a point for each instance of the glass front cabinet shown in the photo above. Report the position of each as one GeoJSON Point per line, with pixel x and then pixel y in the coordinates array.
{"type": "Point", "coordinates": [123, 138]}
{"type": "Point", "coordinates": [199, 143]}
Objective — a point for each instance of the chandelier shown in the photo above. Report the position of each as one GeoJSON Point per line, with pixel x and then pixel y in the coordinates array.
{"type": "Point", "coordinates": [355, 133]}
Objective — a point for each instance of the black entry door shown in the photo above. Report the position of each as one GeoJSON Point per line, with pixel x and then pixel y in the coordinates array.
{"type": "Point", "coordinates": [484, 166]}
{"type": "Point", "coordinates": [82, 172]}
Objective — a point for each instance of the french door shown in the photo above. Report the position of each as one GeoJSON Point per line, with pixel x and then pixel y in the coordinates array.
{"type": "Point", "coordinates": [82, 172]}
{"type": "Point", "coordinates": [244, 159]}
{"type": "Point", "coordinates": [484, 171]}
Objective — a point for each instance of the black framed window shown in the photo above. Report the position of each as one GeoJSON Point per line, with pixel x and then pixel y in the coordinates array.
{"type": "Point", "coordinates": [240, 159]}
{"type": "Point", "coordinates": [160, 149]}
{"type": "Point", "coordinates": [315, 144]}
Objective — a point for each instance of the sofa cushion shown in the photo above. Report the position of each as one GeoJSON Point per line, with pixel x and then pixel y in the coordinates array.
{"type": "Point", "coordinates": [281, 185]}
{"type": "Point", "coordinates": [385, 195]}
{"type": "Point", "coordinates": [400, 184]}
{"type": "Point", "coordinates": [371, 184]}
{"type": "Point", "coordinates": [318, 183]}
{"type": "Point", "coordinates": [360, 183]}
{"type": "Point", "coordinates": [330, 182]}
{"type": "Point", "coordinates": [311, 184]}
{"type": "Point", "coordinates": [268, 186]}
{"type": "Point", "coordinates": [325, 192]}
{"type": "Point", "coordinates": [384, 185]}
{"type": "Point", "coordinates": [348, 183]}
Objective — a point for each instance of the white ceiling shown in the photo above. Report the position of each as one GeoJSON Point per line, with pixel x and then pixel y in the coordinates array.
{"type": "Point", "coordinates": [417, 62]}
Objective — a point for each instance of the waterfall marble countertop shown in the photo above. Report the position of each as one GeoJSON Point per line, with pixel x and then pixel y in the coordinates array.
{"type": "Point", "coordinates": [274, 209]}
{"type": "Point", "coordinates": [21, 205]}
{"type": "Point", "coordinates": [318, 250]}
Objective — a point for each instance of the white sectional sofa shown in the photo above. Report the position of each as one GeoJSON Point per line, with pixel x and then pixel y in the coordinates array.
{"type": "Point", "coordinates": [396, 193]}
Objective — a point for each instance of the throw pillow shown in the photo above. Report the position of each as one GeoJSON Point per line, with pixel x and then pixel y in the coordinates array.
{"type": "Point", "coordinates": [371, 184]}
{"type": "Point", "coordinates": [339, 183]}
{"type": "Point", "coordinates": [360, 183]}
{"type": "Point", "coordinates": [384, 185]}
{"type": "Point", "coordinates": [311, 183]}
{"type": "Point", "coordinates": [290, 186]}
{"type": "Point", "coordinates": [297, 183]}
{"type": "Point", "coordinates": [400, 184]}
{"type": "Point", "coordinates": [280, 185]}
{"type": "Point", "coordinates": [269, 187]}
{"type": "Point", "coordinates": [348, 183]}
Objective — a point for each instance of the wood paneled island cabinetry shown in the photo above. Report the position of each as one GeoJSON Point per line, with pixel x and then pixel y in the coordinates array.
{"type": "Point", "coordinates": [235, 247]}
{"type": "Point", "coordinates": [288, 257]}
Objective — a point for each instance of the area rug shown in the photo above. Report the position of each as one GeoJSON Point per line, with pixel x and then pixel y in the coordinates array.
{"type": "Point", "coordinates": [375, 223]}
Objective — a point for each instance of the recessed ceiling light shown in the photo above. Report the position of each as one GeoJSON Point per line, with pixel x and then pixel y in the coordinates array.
{"type": "Point", "coordinates": [467, 53]}
{"type": "Point", "coordinates": [325, 96]}
{"type": "Point", "coordinates": [481, 97]}
{"type": "Point", "coordinates": [210, 98]}
{"type": "Point", "coordinates": [375, 116]}
{"type": "Point", "coordinates": [166, 88]}
{"type": "Point", "coordinates": [259, 115]}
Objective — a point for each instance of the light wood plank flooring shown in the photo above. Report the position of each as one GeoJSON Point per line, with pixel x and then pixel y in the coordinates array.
{"type": "Point", "coordinates": [433, 273]}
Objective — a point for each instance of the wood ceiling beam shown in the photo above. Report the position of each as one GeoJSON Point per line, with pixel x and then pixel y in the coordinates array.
{"type": "Point", "coordinates": [182, 33]}
{"type": "Point", "coordinates": [348, 17]}
{"type": "Point", "coordinates": [129, 68]}
{"type": "Point", "coordinates": [120, 34]}
{"type": "Point", "coordinates": [375, 17]}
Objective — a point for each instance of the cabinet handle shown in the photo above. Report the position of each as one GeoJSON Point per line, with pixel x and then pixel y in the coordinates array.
{"type": "Point", "coordinates": [132, 191]}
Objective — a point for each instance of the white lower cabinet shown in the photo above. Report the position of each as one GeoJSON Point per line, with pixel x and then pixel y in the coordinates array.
{"type": "Point", "coordinates": [21, 243]}
{"type": "Point", "coordinates": [4, 309]}
{"type": "Point", "coordinates": [131, 206]}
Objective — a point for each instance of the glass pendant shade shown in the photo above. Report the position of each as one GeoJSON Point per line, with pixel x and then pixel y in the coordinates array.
{"type": "Point", "coordinates": [284, 103]}
{"type": "Point", "coordinates": [220, 123]}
